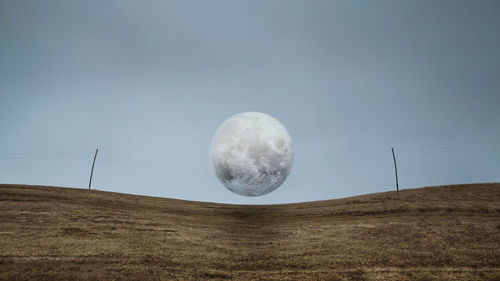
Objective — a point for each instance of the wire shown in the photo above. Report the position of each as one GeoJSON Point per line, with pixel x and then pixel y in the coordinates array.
{"type": "Point", "coordinates": [406, 151]}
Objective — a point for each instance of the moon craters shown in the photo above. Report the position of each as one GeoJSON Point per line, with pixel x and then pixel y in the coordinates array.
{"type": "Point", "coordinates": [252, 153]}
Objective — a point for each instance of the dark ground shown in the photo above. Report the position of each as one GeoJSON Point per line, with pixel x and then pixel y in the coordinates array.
{"type": "Point", "coordinates": [435, 233]}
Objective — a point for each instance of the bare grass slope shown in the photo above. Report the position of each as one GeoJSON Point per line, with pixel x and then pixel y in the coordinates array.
{"type": "Point", "coordinates": [434, 233]}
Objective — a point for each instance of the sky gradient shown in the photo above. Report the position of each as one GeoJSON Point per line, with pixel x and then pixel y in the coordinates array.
{"type": "Point", "coordinates": [149, 82]}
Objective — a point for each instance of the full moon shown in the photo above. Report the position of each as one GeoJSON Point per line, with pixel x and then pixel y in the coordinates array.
{"type": "Point", "coordinates": [252, 153]}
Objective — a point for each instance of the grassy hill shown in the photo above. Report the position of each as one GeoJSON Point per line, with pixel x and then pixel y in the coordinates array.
{"type": "Point", "coordinates": [433, 233]}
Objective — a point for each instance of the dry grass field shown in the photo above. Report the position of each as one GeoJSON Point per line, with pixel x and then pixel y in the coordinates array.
{"type": "Point", "coordinates": [434, 233]}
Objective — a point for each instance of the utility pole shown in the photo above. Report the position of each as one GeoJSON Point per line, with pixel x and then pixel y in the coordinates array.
{"type": "Point", "coordinates": [395, 169]}
{"type": "Point", "coordinates": [498, 170]}
{"type": "Point", "coordinates": [92, 171]}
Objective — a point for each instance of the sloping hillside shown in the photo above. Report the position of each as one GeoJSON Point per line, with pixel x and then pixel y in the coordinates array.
{"type": "Point", "coordinates": [434, 233]}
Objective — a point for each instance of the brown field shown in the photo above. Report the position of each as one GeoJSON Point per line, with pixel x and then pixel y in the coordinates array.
{"type": "Point", "coordinates": [434, 233]}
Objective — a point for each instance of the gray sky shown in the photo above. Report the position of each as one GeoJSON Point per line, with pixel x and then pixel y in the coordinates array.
{"type": "Point", "coordinates": [148, 83]}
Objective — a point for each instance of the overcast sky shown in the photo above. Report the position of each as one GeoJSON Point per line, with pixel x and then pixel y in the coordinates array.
{"type": "Point", "coordinates": [149, 82]}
